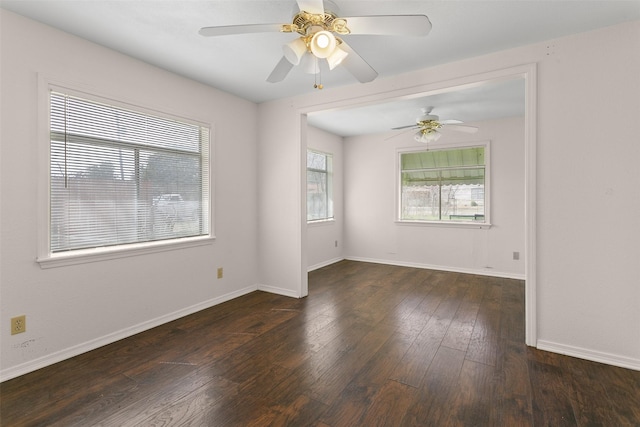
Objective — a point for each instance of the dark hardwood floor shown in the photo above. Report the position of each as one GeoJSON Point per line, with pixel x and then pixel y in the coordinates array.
{"type": "Point", "coordinates": [372, 345]}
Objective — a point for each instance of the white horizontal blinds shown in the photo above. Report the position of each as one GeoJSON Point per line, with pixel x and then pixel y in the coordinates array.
{"type": "Point", "coordinates": [119, 176]}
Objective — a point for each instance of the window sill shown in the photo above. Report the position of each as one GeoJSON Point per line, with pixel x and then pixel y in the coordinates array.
{"type": "Point", "coordinates": [319, 222]}
{"type": "Point", "coordinates": [103, 254]}
{"type": "Point", "coordinates": [450, 224]}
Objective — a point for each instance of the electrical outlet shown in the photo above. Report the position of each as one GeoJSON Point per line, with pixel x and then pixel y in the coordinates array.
{"type": "Point", "coordinates": [336, 243]}
{"type": "Point", "coordinates": [516, 256]}
{"type": "Point", "coordinates": [18, 324]}
{"type": "Point", "coordinates": [220, 272]}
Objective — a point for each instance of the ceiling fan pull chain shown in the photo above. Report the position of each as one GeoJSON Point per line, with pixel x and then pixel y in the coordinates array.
{"type": "Point", "coordinates": [317, 75]}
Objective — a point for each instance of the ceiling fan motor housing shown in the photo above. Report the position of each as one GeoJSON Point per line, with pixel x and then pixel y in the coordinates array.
{"type": "Point", "coordinates": [306, 23]}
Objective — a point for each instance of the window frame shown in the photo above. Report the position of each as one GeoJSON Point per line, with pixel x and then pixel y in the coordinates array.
{"type": "Point", "coordinates": [446, 223]}
{"type": "Point", "coordinates": [45, 258]}
{"type": "Point", "coordinates": [329, 174]}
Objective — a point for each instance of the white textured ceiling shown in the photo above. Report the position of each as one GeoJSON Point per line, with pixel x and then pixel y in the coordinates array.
{"type": "Point", "coordinates": [487, 101]}
{"type": "Point", "coordinates": [165, 33]}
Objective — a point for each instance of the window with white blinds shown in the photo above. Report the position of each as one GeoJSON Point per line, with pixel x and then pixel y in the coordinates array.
{"type": "Point", "coordinates": [120, 177]}
{"type": "Point", "coordinates": [319, 186]}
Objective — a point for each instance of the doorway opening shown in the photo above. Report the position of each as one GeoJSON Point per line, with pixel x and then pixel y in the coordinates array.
{"type": "Point", "coordinates": [341, 113]}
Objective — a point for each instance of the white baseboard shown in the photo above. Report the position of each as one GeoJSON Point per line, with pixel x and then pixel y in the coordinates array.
{"type": "Point", "coordinates": [480, 272]}
{"type": "Point", "coordinates": [50, 359]}
{"type": "Point", "coordinates": [592, 355]}
{"type": "Point", "coordinates": [278, 291]}
{"type": "Point", "coordinates": [324, 264]}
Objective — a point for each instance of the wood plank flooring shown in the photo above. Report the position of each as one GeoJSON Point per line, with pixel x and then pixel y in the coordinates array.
{"type": "Point", "coordinates": [372, 345]}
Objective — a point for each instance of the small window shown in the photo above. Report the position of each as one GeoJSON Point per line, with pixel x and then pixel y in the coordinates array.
{"type": "Point", "coordinates": [444, 185]}
{"type": "Point", "coordinates": [319, 186]}
{"type": "Point", "coordinates": [119, 177]}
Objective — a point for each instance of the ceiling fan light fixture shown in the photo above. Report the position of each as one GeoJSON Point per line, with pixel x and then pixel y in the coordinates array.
{"type": "Point", "coordinates": [322, 44]}
{"type": "Point", "coordinates": [295, 50]}
{"type": "Point", "coordinates": [336, 57]}
{"type": "Point", "coordinates": [427, 135]}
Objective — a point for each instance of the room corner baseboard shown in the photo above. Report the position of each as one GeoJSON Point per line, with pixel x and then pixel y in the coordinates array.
{"type": "Point", "coordinates": [479, 272]}
{"type": "Point", "coordinates": [592, 355]}
{"type": "Point", "coordinates": [59, 356]}
{"type": "Point", "coordinates": [324, 264]}
{"type": "Point", "coordinates": [278, 291]}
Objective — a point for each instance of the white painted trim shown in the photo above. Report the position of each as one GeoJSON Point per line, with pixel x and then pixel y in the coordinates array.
{"type": "Point", "coordinates": [303, 146]}
{"type": "Point", "coordinates": [479, 272]}
{"type": "Point", "coordinates": [593, 355]}
{"type": "Point", "coordinates": [530, 176]}
{"type": "Point", "coordinates": [443, 224]}
{"type": "Point", "coordinates": [279, 291]}
{"type": "Point", "coordinates": [102, 254]}
{"type": "Point", "coordinates": [324, 264]}
{"type": "Point", "coordinates": [93, 344]}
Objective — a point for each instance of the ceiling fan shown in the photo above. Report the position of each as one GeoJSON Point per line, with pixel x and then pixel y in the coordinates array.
{"type": "Point", "coordinates": [428, 125]}
{"type": "Point", "coordinates": [320, 30]}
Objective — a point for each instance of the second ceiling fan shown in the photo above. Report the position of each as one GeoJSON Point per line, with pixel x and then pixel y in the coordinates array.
{"type": "Point", "coordinates": [319, 32]}
{"type": "Point", "coordinates": [428, 126]}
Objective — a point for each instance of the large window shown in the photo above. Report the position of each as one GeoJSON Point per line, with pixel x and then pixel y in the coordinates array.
{"type": "Point", "coordinates": [319, 186]}
{"type": "Point", "coordinates": [444, 185]}
{"type": "Point", "coordinates": [121, 177]}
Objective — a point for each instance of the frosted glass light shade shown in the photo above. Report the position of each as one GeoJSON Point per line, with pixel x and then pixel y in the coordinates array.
{"type": "Point", "coordinates": [322, 44]}
{"type": "Point", "coordinates": [429, 136]}
{"type": "Point", "coordinates": [336, 57]}
{"type": "Point", "coordinates": [294, 50]}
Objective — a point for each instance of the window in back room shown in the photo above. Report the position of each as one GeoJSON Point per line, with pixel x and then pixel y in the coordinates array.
{"type": "Point", "coordinates": [319, 186]}
{"type": "Point", "coordinates": [445, 185]}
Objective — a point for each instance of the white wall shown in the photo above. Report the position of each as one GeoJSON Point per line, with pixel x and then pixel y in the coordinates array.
{"type": "Point", "coordinates": [282, 202]}
{"type": "Point", "coordinates": [72, 309]}
{"type": "Point", "coordinates": [370, 209]}
{"type": "Point", "coordinates": [588, 105]}
{"type": "Point", "coordinates": [322, 236]}
{"type": "Point", "coordinates": [589, 196]}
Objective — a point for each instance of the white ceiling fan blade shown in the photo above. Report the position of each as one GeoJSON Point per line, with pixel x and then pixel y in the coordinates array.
{"type": "Point", "coordinates": [357, 66]}
{"type": "Point", "coordinates": [397, 134]}
{"type": "Point", "coordinates": [311, 6]}
{"type": "Point", "coordinates": [390, 25]}
{"type": "Point", "coordinates": [228, 30]}
{"type": "Point", "coordinates": [461, 128]}
{"type": "Point", "coordinates": [280, 71]}
{"type": "Point", "coordinates": [451, 122]}
{"type": "Point", "coordinates": [405, 127]}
